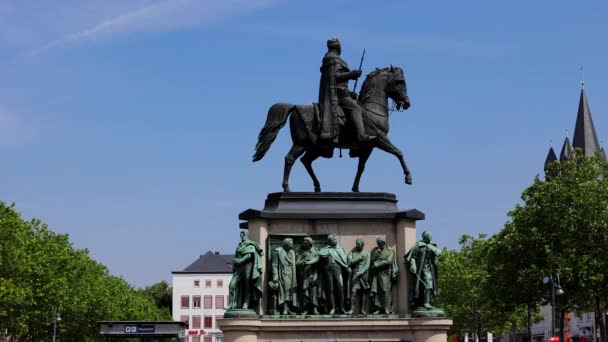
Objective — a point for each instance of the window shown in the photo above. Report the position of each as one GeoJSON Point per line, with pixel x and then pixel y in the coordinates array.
{"type": "Point", "coordinates": [196, 322]}
{"type": "Point", "coordinates": [219, 302]}
{"type": "Point", "coordinates": [207, 339]}
{"type": "Point", "coordinates": [208, 323]}
{"type": "Point", "coordinates": [197, 283]}
{"type": "Point", "coordinates": [220, 283]}
{"type": "Point", "coordinates": [196, 302]}
{"type": "Point", "coordinates": [196, 339]}
{"type": "Point", "coordinates": [208, 304]}
{"type": "Point", "coordinates": [207, 283]}
{"type": "Point", "coordinates": [184, 319]}
{"type": "Point", "coordinates": [185, 302]}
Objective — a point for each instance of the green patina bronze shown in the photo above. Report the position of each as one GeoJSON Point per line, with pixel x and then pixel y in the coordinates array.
{"type": "Point", "coordinates": [332, 263]}
{"type": "Point", "coordinates": [383, 273]}
{"type": "Point", "coordinates": [284, 281]}
{"type": "Point", "coordinates": [246, 283]}
{"type": "Point", "coordinates": [308, 278]}
{"type": "Point", "coordinates": [358, 261]}
{"type": "Point", "coordinates": [421, 261]}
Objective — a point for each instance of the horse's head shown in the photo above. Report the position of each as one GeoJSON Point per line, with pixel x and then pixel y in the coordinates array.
{"type": "Point", "coordinates": [388, 82]}
{"type": "Point", "coordinates": [397, 88]}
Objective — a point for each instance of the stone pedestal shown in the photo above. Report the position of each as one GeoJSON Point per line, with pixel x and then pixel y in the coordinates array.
{"type": "Point", "coordinates": [341, 330]}
{"type": "Point", "coordinates": [350, 216]}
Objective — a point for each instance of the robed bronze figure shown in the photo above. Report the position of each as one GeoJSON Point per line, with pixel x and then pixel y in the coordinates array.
{"type": "Point", "coordinates": [383, 273]}
{"type": "Point", "coordinates": [317, 129]}
{"type": "Point", "coordinates": [335, 99]}
{"type": "Point", "coordinates": [246, 284]}
{"type": "Point", "coordinates": [308, 278]}
{"type": "Point", "coordinates": [284, 277]}
{"type": "Point", "coordinates": [421, 261]}
{"type": "Point", "coordinates": [359, 261]}
{"type": "Point", "coordinates": [332, 264]}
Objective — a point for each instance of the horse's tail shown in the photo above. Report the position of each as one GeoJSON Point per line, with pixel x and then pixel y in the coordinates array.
{"type": "Point", "coordinates": [276, 119]}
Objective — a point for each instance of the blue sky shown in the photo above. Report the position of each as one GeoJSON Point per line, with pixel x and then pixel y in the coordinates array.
{"type": "Point", "coordinates": [130, 124]}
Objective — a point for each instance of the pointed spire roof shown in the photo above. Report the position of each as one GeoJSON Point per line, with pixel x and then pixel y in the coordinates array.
{"type": "Point", "coordinates": [585, 137]}
{"type": "Point", "coordinates": [551, 157]}
{"type": "Point", "coordinates": [567, 151]}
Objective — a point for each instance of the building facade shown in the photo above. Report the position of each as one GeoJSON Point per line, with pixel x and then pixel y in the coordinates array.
{"type": "Point", "coordinates": [200, 293]}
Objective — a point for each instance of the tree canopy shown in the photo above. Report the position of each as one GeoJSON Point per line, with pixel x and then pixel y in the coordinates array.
{"type": "Point", "coordinates": [40, 272]}
{"type": "Point", "coordinates": [466, 291]}
{"type": "Point", "coordinates": [559, 230]}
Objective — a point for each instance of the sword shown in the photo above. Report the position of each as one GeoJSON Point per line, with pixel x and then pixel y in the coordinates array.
{"type": "Point", "coordinates": [360, 66]}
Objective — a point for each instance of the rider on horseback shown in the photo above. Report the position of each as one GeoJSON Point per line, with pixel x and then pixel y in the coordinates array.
{"type": "Point", "coordinates": [334, 96]}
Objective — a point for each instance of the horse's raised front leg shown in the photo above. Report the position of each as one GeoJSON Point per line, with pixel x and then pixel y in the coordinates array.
{"type": "Point", "coordinates": [363, 157]}
{"type": "Point", "coordinates": [294, 153]}
{"type": "Point", "coordinates": [307, 160]}
{"type": "Point", "coordinates": [383, 143]}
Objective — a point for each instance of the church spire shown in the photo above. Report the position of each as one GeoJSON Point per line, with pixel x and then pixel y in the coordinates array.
{"type": "Point", "coordinates": [551, 157]}
{"type": "Point", "coordinates": [567, 151]}
{"type": "Point", "coordinates": [585, 137]}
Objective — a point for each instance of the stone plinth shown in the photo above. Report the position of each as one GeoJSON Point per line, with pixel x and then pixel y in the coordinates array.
{"type": "Point", "coordinates": [312, 329]}
{"type": "Point", "coordinates": [349, 215]}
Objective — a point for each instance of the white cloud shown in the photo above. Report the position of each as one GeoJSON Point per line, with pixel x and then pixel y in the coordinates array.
{"type": "Point", "coordinates": [43, 24]}
{"type": "Point", "coordinates": [14, 129]}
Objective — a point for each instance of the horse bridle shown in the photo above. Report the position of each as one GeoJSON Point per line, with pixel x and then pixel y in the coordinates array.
{"type": "Point", "coordinates": [384, 105]}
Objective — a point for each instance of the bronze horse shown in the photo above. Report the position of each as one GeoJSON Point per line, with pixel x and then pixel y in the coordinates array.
{"type": "Point", "coordinates": [379, 86]}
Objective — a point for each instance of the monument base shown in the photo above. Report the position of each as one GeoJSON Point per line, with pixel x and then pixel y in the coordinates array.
{"type": "Point", "coordinates": [335, 329]}
{"type": "Point", "coordinates": [428, 313]}
{"type": "Point", "coordinates": [240, 313]}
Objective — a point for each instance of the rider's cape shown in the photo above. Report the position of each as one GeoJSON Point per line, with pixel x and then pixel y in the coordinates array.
{"type": "Point", "coordinates": [332, 116]}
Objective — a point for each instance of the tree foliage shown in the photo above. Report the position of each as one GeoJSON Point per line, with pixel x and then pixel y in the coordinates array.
{"type": "Point", "coordinates": [41, 271]}
{"type": "Point", "coordinates": [560, 229]}
{"type": "Point", "coordinates": [162, 294]}
{"type": "Point", "coordinates": [466, 291]}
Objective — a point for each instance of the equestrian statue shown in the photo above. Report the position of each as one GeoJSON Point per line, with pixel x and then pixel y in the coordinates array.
{"type": "Point", "coordinates": [340, 119]}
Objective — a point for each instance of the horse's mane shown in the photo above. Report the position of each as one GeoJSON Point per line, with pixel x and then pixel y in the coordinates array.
{"type": "Point", "coordinates": [369, 85]}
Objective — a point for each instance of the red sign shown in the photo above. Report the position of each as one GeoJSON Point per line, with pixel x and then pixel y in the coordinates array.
{"type": "Point", "coordinates": [554, 339]}
{"type": "Point", "coordinates": [196, 332]}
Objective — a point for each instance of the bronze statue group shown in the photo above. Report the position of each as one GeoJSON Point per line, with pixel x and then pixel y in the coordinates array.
{"type": "Point", "coordinates": [314, 281]}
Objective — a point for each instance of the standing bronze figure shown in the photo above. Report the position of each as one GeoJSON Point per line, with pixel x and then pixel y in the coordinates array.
{"type": "Point", "coordinates": [308, 278]}
{"type": "Point", "coordinates": [358, 261]}
{"type": "Point", "coordinates": [421, 261]}
{"type": "Point", "coordinates": [332, 263]}
{"type": "Point", "coordinates": [284, 276]}
{"type": "Point", "coordinates": [383, 273]}
{"type": "Point", "coordinates": [317, 129]}
{"type": "Point", "coordinates": [246, 283]}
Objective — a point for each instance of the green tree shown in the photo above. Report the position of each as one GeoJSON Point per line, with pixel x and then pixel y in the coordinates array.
{"type": "Point", "coordinates": [162, 294]}
{"type": "Point", "coordinates": [40, 271]}
{"type": "Point", "coordinates": [561, 228]}
{"type": "Point", "coordinates": [515, 272]}
{"type": "Point", "coordinates": [464, 280]}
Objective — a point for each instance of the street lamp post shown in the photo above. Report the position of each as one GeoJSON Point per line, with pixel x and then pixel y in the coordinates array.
{"type": "Point", "coordinates": [55, 319]}
{"type": "Point", "coordinates": [556, 289]}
